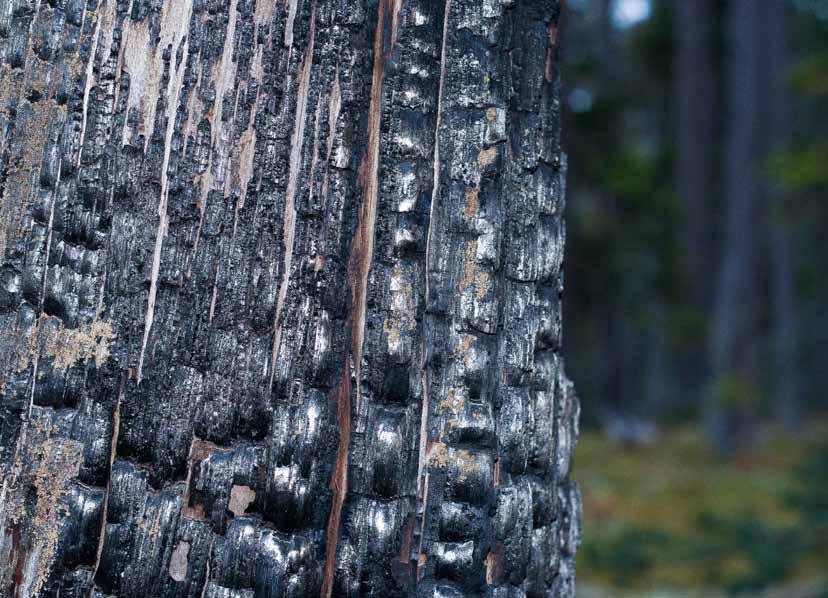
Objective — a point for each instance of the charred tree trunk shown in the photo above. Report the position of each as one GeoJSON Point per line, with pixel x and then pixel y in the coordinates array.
{"type": "Point", "coordinates": [280, 300]}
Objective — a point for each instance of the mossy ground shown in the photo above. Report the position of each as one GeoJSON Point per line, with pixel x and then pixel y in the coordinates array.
{"type": "Point", "coordinates": [676, 516]}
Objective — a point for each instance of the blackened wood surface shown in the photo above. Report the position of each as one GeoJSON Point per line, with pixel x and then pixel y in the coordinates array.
{"type": "Point", "coordinates": [280, 300]}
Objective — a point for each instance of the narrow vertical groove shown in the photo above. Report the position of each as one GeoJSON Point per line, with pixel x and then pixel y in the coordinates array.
{"type": "Point", "coordinates": [116, 428]}
{"type": "Point", "coordinates": [362, 247]}
{"type": "Point", "coordinates": [435, 193]}
{"type": "Point", "coordinates": [339, 480]}
{"type": "Point", "coordinates": [359, 266]}
{"type": "Point", "coordinates": [90, 78]}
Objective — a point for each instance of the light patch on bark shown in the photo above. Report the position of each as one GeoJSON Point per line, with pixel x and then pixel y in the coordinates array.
{"type": "Point", "coordinates": [195, 108]}
{"type": "Point", "coordinates": [144, 61]}
{"type": "Point", "coordinates": [438, 454]}
{"type": "Point", "coordinates": [487, 156]}
{"type": "Point", "coordinates": [66, 346]}
{"type": "Point", "coordinates": [241, 497]}
{"type": "Point", "coordinates": [263, 13]}
{"type": "Point", "coordinates": [26, 156]}
{"type": "Point", "coordinates": [474, 277]}
{"type": "Point", "coordinates": [289, 217]}
{"type": "Point", "coordinates": [178, 561]}
{"type": "Point", "coordinates": [90, 80]}
{"type": "Point", "coordinates": [58, 464]}
{"type": "Point", "coordinates": [223, 77]}
{"type": "Point", "coordinates": [291, 16]}
{"type": "Point", "coordinates": [402, 310]}
{"type": "Point", "coordinates": [180, 11]}
{"type": "Point", "coordinates": [454, 402]}
{"type": "Point", "coordinates": [472, 204]}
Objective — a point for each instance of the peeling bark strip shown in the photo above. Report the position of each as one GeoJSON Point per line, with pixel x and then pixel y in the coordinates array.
{"type": "Point", "coordinates": [280, 300]}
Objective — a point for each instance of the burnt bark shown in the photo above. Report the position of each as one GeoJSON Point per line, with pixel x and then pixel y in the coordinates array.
{"type": "Point", "coordinates": [280, 300]}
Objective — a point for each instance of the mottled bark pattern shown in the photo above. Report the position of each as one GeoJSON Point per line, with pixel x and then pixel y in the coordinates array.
{"type": "Point", "coordinates": [280, 300]}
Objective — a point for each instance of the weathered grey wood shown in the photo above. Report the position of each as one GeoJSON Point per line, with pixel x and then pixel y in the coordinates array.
{"type": "Point", "coordinates": [280, 300]}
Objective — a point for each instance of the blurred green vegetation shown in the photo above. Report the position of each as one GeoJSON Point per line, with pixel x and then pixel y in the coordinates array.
{"type": "Point", "coordinates": [801, 169]}
{"type": "Point", "coordinates": [675, 515]}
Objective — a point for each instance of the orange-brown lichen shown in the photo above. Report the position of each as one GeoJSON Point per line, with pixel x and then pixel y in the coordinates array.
{"type": "Point", "coordinates": [487, 156]}
{"type": "Point", "coordinates": [438, 454]}
{"type": "Point", "coordinates": [453, 403]}
{"type": "Point", "coordinates": [472, 204]}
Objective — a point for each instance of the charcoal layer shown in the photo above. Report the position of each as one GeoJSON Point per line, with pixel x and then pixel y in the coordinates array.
{"type": "Point", "coordinates": [280, 300]}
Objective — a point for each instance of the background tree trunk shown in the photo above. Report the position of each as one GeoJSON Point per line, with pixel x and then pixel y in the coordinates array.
{"type": "Point", "coordinates": [280, 300]}
{"type": "Point", "coordinates": [732, 404]}
{"type": "Point", "coordinates": [694, 121]}
{"type": "Point", "coordinates": [784, 335]}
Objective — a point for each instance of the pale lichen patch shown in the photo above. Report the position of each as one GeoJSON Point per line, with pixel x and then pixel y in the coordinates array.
{"type": "Point", "coordinates": [487, 156]}
{"type": "Point", "coordinates": [453, 403]}
{"type": "Point", "coordinates": [472, 204]}
{"type": "Point", "coordinates": [241, 498]}
{"type": "Point", "coordinates": [66, 346]}
{"type": "Point", "coordinates": [178, 561]}
{"type": "Point", "coordinates": [59, 463]}
{"type": "Point", "coordinates": [438, 454]}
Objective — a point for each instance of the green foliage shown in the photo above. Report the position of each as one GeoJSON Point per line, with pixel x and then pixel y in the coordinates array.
{"type": "Point", "coordinates": [802, 169]}
{"type": "Point", "coordinates": [811, 496]}
{"type": "Point", "coordinates": [625, 555]}
{"type": "Point", "coordinates": [734, 390]}
{"type": "Point", "coordinates": [768, 554]}
{"type": "Point", "coordinates": [675, 515]}
{"type": "Point", "coordinates": [810, 76]}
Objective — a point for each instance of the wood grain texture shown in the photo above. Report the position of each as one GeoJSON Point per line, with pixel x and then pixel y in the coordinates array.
{"type": "Point", "coordinates": [280, 300]}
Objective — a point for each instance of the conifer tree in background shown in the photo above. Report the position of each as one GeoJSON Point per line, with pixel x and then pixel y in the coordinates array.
{"type": "Point", "coordinates": [734, 340]}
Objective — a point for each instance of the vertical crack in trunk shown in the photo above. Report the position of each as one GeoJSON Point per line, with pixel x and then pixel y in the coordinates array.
{"type": "Point", "coordinates": [422, 475]}
{"type": "Point", "coordinates": [116, 428]}
{"type": "Point", "coordinates": [359, 266]}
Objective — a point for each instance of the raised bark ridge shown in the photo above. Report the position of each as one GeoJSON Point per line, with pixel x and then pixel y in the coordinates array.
{"type": "Point", "coordinates": [280, 300]}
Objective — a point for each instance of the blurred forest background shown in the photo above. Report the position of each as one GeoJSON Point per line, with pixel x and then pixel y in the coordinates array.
{"type": "Point", "coordinates": [697, 292]}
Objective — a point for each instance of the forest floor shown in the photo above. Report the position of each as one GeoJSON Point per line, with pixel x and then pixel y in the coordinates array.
{"type": "Point", "coordinates": [674, 519]}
